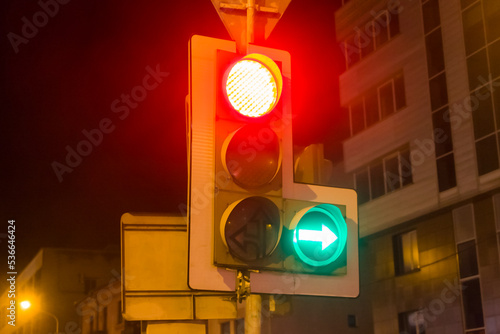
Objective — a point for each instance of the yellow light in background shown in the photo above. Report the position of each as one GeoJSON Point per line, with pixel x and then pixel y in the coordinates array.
{"type": "Point", "coordinates": [253, 85]}
{"type": "Point", "coordinates": [25, 304]}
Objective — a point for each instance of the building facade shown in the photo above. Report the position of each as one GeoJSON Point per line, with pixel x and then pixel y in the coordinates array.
{"type": "Point", "coordinates": [101, 312]}
{"type": "Point", "coordinates": [421, 91]}
{"type": "Point", "coordinates": [53, 282]}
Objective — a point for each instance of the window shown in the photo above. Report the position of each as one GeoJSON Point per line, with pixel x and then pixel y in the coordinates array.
{"type": "Point", "coordinates": [357, 117]}
{"type": "Point", "coordinates": [438, 89]}
{"type": "Point", "coordinates": [384, 176]}
{"type": "Point", "coordinates": [431, 15]}
{"type": "Point", "coordinates": [406, 259]}
{"type": "Point", "coordinates": [482, 47]}
{"type": "Point", "coordinates": [377, 103]}
{"type": "Point", "coordinates": [225, 328]}
{"type": "Point", "coordinates": [447, 178]}
{"type": "Point", "coordinates": [435, 55]}
{"type": "Point", "coordinates": [467, 259]}
{"type": "Point", "coordinates": [472, 20]}
{"type": "Point", "coordinates": [392, 177]}
{"type": "Point", "coordinates": [386, 95]}
{"type": "Point", "coordinates": [371, 108]}
{"type": "Point", "coordinates": [240, 326]}
{"type": "Point", "coordinates": [485, 149]}
{"type": "Point", "coordinates": [465, 239]}
{"type": "Point", "coordinates": [442, 132]}
{"type": "Point", "coordinates": [370, 36]}
{"type": "Point", "coordinates": [351, 321]}
{"type": "Point", "coordinates": [477, 68]}
{"type": "Point", "coordinates": [472, 304]}
{"type": "Point", "coordinates": [492, 17]}
{"type": "Point", "coordinates": [377, 180]}
{"type": "Point", "coordinates": [363, 186]}
{"type": "Point", "coordinates": [412, 322]}
{"type": "Point", "coordinates": [496, 208]}
{"type": "Point", "coordinates": [105, 318]}
{"type": "Point", "coordinates": [89, 284]}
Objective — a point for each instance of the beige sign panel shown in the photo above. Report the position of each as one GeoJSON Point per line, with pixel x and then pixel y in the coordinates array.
{"type": "Point", "coordinates": [233, 14]}
{"type": "Point", "coordinates": [154, 275]}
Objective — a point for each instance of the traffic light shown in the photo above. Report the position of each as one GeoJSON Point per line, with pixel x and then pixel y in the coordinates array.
{"type": "Point", "coordinates": [246, 212]}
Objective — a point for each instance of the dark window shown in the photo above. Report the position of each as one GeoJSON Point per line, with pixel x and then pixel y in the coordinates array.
{"type": "Point", "coordinates": [377, 103]}
{"type": "Point", "coordinates": [386, 99]}
{"type": "Point", "coordinates": [477, 68]}
{"type": "Point", "coordinates": [435, 56]}
{"type": "Point", "coordinates": [381, 30]}
{"type": "Point", "coordinates": [406, 257]}
{"type": "Point", "coordinates": [363, 187]}
{"type": "Point", "coordinates": [412, 322]}
{"type": "Point", "coordinates": [132, 327]}
{"type": "Point", "coordinates": [105, 319]}
{"type": "Point", "coordinates": [473, 28]}
{"type": "Point", "coordinates": [496, 102]}
{"type": "Point", "coordinates": [225, 328]}
{"type": "Point", "coordinates": [487, 155]}
{"type": "Point", "coordinates": [473, 308]}
{"type": "Point", "coordinates": [240, 326]}
{"type": "Point", "coordinates": [89, 284]}
{"type": "Point", "coordinates": [439, 94]}
{"type": "Point", "coordinates": [384, 177]}
{"type": "Point", "coordinates": [365, 40]}
{"type": "Point", "coordinates": [492, 17]}
{"type": "Point", "coordinates": [377, 180]}
{"type": "Point", "coordinates": [442, 133]}
{"type": "Point", "coordinates": [352, 51]}
{"type": "Point", "coordinates": [482, 113]}
{"type": "Point", "coordinates": [494, 54]}
{"type": "Point", "coordinates": [371, 108]}
{"type": "Point", "coordinates": [446, 172]}
{"type": "Point", "coordinates": [399, 90]}
{"type": "Point", "coordinates": [357, 117]}
{"type": "Point", "coordinates": [467, 259]}
{"type": "Point", "coordinates": [351, 321]}
{"type": "Point", "coordinates": [392, 177]}
{"type": "Point", "coordinates": [406, 171]}
{"type": "Point", "coordinates": [394, 25]}
{"type": "Point", "coordinates": [376, 33]}
{"type": "Point", "coordinates": [431, 15]}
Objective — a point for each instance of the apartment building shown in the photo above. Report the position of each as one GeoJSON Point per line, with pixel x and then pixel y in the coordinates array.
{"type": "Point", "coordinates": [421, 91]}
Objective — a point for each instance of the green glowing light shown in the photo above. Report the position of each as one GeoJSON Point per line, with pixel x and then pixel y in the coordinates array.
{"type": "Point", "coordinates": [320, 236]}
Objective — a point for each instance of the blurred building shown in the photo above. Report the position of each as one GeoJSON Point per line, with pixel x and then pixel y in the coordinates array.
{"type": "Point", "coordinates": [101, 312]}
{"type": "Point", "coordinates": [421, 91]}
{"type": "Point", "coordinates": [53, 282]}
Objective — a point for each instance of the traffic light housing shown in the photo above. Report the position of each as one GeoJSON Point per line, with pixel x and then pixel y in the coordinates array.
{"type": "Point", "coordinates": [245, 210]}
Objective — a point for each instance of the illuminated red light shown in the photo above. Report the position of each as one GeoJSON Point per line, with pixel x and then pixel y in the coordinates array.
{"type": "Point", "coordinates": [253, 85]}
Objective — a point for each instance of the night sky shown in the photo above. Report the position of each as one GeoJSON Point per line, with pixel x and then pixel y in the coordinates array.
{"type": "Point", "coordinates": [71, 75]}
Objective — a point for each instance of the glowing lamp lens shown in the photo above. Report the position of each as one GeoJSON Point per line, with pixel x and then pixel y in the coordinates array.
{"type": "Point", "coordinates": [253, 85]}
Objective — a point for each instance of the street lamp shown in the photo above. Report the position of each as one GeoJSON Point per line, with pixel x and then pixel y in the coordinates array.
{"type": "Point", "coordinates": [26, 304]}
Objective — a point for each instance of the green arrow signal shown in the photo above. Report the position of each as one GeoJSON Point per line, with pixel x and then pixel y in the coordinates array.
{"type": "Point", "coordinates": [325, 236]}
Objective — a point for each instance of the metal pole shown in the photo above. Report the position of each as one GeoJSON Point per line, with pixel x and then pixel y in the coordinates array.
{"type": "Point", "coordinates": [253, 314]}
{"type": "Point", "coordinates": [250, 22]}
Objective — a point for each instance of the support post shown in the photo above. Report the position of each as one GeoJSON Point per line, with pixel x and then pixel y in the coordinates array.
{"type": "Point", "coordinates": [253, 314]}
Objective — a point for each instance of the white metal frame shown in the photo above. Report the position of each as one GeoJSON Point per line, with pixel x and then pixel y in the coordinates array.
{"type": "Point", "coordinates": [203, 275]}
